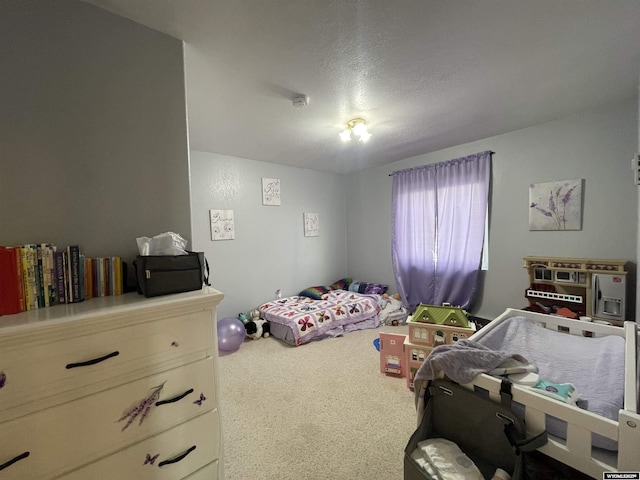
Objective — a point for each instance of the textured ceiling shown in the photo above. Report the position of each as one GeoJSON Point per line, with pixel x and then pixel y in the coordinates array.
{"type": "Point", "coordinates": [425, 74]}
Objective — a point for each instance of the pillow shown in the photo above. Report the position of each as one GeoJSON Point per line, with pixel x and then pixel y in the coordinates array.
{"type": "Point", "coordinates": [367, 288]}
{"type": "Point", "coordinates": [314, 292]}
{"type": "Point", "coordinates": [378, 288]}
{"type": "Point", "coordinates": [342, 284]}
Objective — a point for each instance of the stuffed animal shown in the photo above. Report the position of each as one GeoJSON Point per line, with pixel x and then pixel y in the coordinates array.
{"type": "Point", "coordinates": [256, 327]}
{"type": "Point", "coordinates": [385, 299]}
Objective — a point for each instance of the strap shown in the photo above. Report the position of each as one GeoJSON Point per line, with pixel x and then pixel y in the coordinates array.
{"type": "Point", "coordinates": [205, 266]}
{"type": "Point", "coordinates": [527, 444]}
{"type": "Point", "coordinates": [505, 392]}
{"type": "Point", "coordinates": [206, 277]}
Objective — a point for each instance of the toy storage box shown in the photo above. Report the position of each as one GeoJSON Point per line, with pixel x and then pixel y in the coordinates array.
{"type": "Point", "coordinates": [444, 315]}
{"type": "Point", "coordinates": [416, 355]}
{"type": "Point", "coordinates": [433, 335]}
{"type": "Point", "coordinates": [432, 325]}
{"type": "Point", "coordinates": [393, 360]}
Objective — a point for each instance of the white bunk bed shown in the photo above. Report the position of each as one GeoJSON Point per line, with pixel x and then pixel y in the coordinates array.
{"type": "Point", "coordinates": [576, 449]}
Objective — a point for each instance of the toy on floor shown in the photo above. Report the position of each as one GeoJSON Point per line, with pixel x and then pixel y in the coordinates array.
{"type": "Point", "coordinates": [385, 298]}
{"type": "Point", "coordinates": [230, 334]}
{"type": "Point", "coordinates": [392, 358]}
{"type": "Point", "coordinates": [255, 326]}
{"type": "Point", "coordinates": [392, 312]}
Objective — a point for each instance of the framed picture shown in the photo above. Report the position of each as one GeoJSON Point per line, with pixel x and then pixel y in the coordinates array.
{"type": "Point", "coordinates": [222, 225]}
{"type": "Point", "coordinates": [270, 191]}
{"type": "Point", "coordinates": [556, 205]}
{"type": "Point", "coordinates": [311, 225]}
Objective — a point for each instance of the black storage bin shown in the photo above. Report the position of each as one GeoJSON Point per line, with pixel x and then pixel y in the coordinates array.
{"type": "Point", "coordinates": [489, 433]}
{"type": "Point", "coordinates": [165, 274]}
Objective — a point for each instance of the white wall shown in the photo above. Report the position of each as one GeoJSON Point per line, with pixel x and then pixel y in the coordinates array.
{"type": "Point", "coordinates": [270, 250]}
{"type": "Point", "coordinates": [638, 222]}
{"type": "Point", "coordinates": [596, 146]}
{"type": "Point", "coordinates": [93, 134]}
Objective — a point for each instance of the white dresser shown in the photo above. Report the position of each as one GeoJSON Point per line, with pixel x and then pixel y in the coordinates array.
{"type": "Point", "coordinates": [121, 387]}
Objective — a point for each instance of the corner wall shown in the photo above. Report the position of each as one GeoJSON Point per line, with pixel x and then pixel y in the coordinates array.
{"type": "Point", "coordinates": [596, 146]}
{"type": "Point", "coordinates": [93, 131]}
{"type": "Point", "coordinates": [270, 251]}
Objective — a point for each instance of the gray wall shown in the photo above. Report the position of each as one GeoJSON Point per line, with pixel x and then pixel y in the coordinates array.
{"type": "Point", "coordinates": [93, 136]}
{"type": "Point", "coordinates": [270, 250]}
{"type": "Point", "coordinates": [93, 151]}
{"type": "Point", "coordinates": [596, 146]}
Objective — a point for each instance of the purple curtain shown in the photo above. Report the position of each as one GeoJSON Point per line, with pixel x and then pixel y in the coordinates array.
{"type": "Point", "coordinates": [438, 222]}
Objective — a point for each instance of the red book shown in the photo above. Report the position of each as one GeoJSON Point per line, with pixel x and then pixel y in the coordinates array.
{"type": "Point", "coordinates": [20, 270]}
{"type": "Point", "coordinates": [9, 286]}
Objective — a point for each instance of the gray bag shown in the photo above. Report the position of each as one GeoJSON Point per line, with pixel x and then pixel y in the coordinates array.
{"type": "Point", "coordinates": [165, 274]}
{"type": "Point", "coordinates": [486, 431]}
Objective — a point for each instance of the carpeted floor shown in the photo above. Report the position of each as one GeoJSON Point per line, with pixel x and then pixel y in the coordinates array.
{"type": "Point", "coordinates": [321, 411]}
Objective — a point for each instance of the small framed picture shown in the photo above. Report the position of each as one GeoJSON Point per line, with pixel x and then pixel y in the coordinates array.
{"type": "Point", "coordinates": [270, 191]}
{"type": "Point", "coordinates": [222, 225]}
{"type": "Point", "coordinates": [311, 225]}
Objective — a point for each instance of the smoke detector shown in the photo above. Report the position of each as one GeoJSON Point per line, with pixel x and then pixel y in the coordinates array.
{"type": "Point", "coordinates": [300, 101]}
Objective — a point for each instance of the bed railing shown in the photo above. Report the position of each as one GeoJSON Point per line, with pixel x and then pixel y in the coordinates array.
{"type": "Point", "coordinates": [576, 450]}
{"type": "Point", "coordinates": [629, 418]}
{"type": "Point", "coordinates": [559, 324]}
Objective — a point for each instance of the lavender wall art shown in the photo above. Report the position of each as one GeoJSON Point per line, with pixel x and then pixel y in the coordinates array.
{"type": "Point", "coordinates": [556, 205]}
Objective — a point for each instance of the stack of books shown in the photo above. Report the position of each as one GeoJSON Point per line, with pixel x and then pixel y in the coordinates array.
{"type": "Point", "coordinates": [41, 275]}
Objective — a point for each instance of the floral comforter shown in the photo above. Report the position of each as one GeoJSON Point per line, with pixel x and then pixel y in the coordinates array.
{"type": "Point", "coordinates": [308, 318]}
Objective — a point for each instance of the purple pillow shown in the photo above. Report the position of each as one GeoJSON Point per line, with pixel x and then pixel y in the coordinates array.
{"type": "Point", "coordinates": [364, 287]}
{"type": "Point", "coordinates": [377, 288]}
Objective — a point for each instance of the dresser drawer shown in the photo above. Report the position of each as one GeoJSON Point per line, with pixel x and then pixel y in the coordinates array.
{"type": "Point", "coordinates": [171, 455]}
{"type": "Point", "coordinates": [35, 372]}
{"type": "Point", "coordinates": [64, 437]}
{"type": "Point", "coordinates": [210, 472]}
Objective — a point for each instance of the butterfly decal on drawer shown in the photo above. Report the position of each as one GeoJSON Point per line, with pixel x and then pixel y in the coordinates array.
{"type": "Point", "coordinates": [151, 460]}
{"type": "Point", "coordinates": [3, 379]}
{"type": "Point", "coordinates": [200, 400]}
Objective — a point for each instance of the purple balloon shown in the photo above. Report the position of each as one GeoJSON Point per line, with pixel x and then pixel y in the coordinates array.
{"type": "Point", "coordinates": [231, 333]}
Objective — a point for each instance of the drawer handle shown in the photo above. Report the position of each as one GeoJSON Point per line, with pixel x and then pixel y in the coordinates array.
{"type": "Point", "coordinates": [17, 459]}
{"type": "Point", "coordinates": [94, 361]}
{"type": "Point", "coordinates": [174, 399]}
{"type": "Point", "coordinates": [178, 458]}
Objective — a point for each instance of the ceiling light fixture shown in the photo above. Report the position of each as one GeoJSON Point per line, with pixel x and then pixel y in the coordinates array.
{"type": "Point", "coordinates": [357, 127]}
{"type": "Point", "coordinates": [300, 101]}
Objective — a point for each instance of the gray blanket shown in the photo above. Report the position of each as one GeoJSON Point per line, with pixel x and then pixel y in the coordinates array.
{"type": "Point", "coordinates": [463, 361]}
{"type": "Point", "coordinates": [594, 365]}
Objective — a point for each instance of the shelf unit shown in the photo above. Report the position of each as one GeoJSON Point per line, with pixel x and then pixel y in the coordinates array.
{"type": "Point", "coordinates": [567, 282]}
